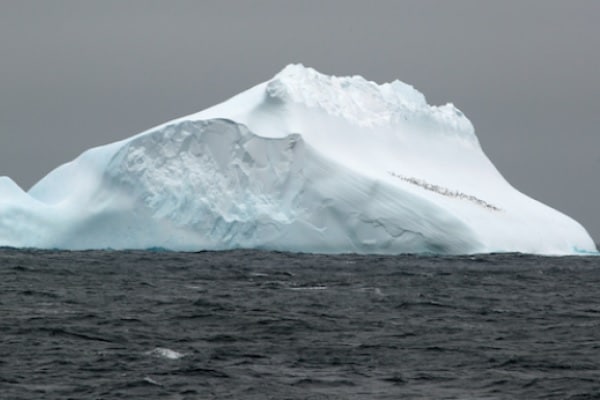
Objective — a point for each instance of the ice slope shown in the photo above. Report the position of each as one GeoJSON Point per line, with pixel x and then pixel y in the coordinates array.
{"type": "Point", "coordinates": [302, 162]}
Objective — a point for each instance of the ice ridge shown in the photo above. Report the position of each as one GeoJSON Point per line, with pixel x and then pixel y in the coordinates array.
{"type": "Point", "coordinates": [364, 102]}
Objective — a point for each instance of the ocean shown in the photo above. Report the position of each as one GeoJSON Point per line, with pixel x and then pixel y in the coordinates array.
{"type": "Point", "coordinates": [269, 325]}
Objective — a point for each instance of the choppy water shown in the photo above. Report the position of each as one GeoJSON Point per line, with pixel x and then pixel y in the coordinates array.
{"type": "Point", "coordinates": [261, 325]}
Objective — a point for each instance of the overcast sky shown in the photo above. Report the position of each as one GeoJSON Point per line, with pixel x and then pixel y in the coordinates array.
{"type": "Point", "coordinates": [76, 74]}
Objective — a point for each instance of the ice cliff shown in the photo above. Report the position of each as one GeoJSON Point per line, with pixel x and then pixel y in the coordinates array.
{"type": "Point", "coordinates": [302, 162]}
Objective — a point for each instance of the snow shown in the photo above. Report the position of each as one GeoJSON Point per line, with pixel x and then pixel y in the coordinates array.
{"type": "Point", "coordinates": [303, 162]}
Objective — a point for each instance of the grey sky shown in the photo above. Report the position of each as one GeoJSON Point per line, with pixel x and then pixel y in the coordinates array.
{"type": "Point", "coordinates": [76, 74]}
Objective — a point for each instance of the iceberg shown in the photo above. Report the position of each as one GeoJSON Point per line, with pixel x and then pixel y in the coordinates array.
{"type": "Point", "coordinates": [304, 162]}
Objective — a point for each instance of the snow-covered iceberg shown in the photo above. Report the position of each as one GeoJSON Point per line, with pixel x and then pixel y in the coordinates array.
{"type": "Point", "coordinates": [303, 162]}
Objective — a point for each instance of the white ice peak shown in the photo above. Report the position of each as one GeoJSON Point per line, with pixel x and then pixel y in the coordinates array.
{"type": "Point", "coordinates": [364, 102]}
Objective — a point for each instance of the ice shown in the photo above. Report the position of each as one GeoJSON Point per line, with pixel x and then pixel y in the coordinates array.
{"type": "Point", "coordinates": [165, 353]}
{"type": "Point", "coordinates": [303, 162]}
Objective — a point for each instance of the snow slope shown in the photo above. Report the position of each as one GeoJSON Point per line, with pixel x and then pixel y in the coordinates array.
{"type": "Point", "coordinates": [303, 162]}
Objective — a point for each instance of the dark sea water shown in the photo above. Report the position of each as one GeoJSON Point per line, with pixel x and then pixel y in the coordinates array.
{"type": "Point", "coordinates": [263, 325]}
